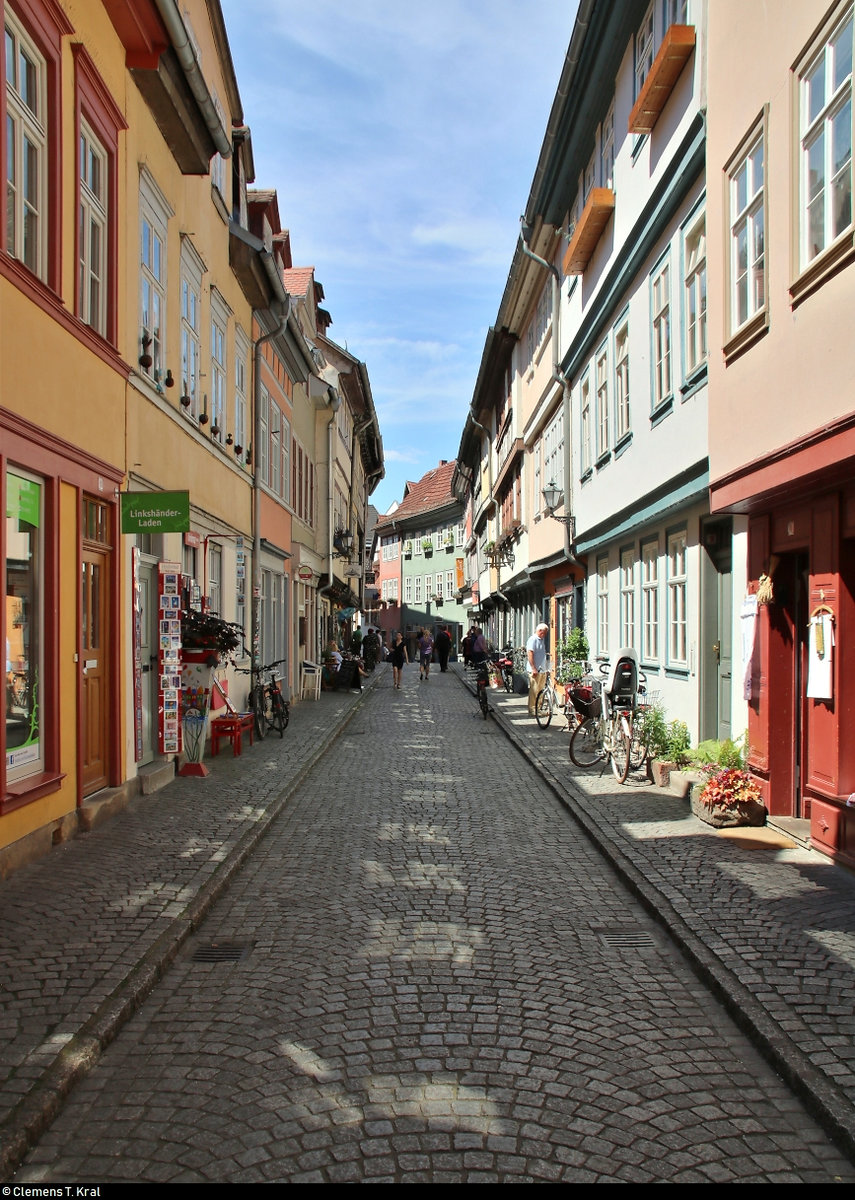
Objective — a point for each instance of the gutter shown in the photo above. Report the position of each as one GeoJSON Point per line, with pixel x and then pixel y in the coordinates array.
{"type": "Point", "coordinates": [196, 81]}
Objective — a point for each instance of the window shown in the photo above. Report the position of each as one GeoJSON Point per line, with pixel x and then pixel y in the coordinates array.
{"type": "Point", "coordinates": [650, 601]}
{"type": "Point", "coordinates": [215, 578]}
{"type": "Point", "coordinates": [449, 584]}
{"type": "Point", "coordinates": [696, 294]}
{"type": "Point", "coordinates": [24, 601]}
{"type": "Point", "coordinates": [677, 642]}
{"type": "Point", "coordinates": [644, 51]}
{"type": "Point", "coordinates": [747, 258]}
{"type": "Point", "coordinates": [661, 319]}
{"type": "Point", "coordinates": [603, 605]}
{"type": "Point", "coordinates": [825, 131]}
{"type": "Point", "coordinates": [602, 402]}
{"type": "Point", "coordinates": [408, 590]}
{"type": "Point", "coordinates": [285, 444]}
{"type": "Point", "coordinates": [26, 149]}
{"type": "Point", "coordinates": [622, 380]}
{"type": "Point", "coordinates": [438, 591]}
{"type": "Point", "coordinates": [92, 232]}
{"type": "Point", "coordinates": [219, 325]}
{"type": "Point", "coordinates": [263, 448]}
{"type": "Point", "coordinates": [154, 216]}
{"type": "Point", "coordinates": [275, 448]}
{"type": "Point", "coordinates": [390, 547]}
{"type": "Point", "coordinates": [418, 589]}
{"type": "Point", "coordinates": [585, 419]}
{"type": "Point", "coordinates": [627, 597]}
{"type": "Point", "coordinates": [459, 535]}
{"type": "Point", "coordinates": [607, 148]}
{"type": "Point", "coordinates": [192, 269]}
{"type": "Point", "coordinates": [241, 355]}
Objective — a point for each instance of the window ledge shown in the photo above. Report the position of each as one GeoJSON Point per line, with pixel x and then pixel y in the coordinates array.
{"type": "Point", "coordinates": [588, 231]}
{"type": "Point", "coordinates": [838, 255]}
{"type": "Point", "coordinates": [675, 51]}
{"type": "Point", "coordinates": [33, 787]}
{"type": "Point", "coordinates": [751, 332]}
{"type": "Point", "coordinates": [661, 411]}
{"type": "Point", "coordinates": [694, 381]}
{"type": "Point", "coordinates": [677, 672]}
{"type": "Point", "coordinates": [623, 445]}
{"type": "Point", "coordinates": [603, 460]}
{"type": "Point", "coordinates": [586, 475]}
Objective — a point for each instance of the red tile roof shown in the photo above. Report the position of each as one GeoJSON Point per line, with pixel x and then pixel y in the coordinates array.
{"type": "Point", "coordinates": [432, 491]}
{"type": "Point", "coordinates": [298, 280]}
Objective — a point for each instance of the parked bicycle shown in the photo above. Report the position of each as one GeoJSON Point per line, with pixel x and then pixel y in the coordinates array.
{"type": "Point", "coordinates": [505, 663]}
{"type": "Point", "coordinates": [482, 683]}
{"type": "Point", "coordinates": [545, 701]}
{"type": "Point", "coordinates": [608, 729]}
{"type": "Point", "coordinates": [268, 705]}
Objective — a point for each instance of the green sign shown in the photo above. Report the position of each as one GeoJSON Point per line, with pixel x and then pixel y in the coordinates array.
{"type": "Point", "coordinates": [23, 499]}
{"type": "Point", "coordinates": [155, 512]}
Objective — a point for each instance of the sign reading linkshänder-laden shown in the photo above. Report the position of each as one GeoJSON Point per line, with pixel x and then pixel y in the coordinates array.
{"type": "Point", "coordinates": [155, 512]}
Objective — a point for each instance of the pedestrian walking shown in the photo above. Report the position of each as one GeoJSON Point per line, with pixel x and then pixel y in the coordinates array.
{"type": "Point", "coordinates": [398, 655]}
{"type": "Point", "coordinates": [370, 649]}
{"type": "Point", "coordinates": [536, 664]}
{"type": "Point", "coordinates": [425, 654]}
{"type": "Point", "coordinates": [466, 647]}
{"type": "Point", "coordinates": [443, 647]}
{"type": "Point", "coordinates": [477, 646]}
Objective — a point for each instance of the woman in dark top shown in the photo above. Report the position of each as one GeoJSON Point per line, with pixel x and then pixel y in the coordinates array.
{"type": "Point", "coordinates": [398, 655]}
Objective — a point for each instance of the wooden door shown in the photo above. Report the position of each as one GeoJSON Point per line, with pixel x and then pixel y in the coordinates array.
{"type": "Point", "coordinates": [94, 668]}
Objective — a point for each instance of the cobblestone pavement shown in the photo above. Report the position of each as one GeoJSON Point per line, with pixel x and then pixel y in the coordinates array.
{"type": "Point", "coordinates": [436, 976]}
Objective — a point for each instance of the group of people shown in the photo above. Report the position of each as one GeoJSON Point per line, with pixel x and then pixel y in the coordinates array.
{"type": "Point", "coordinates": [426, 646]}
{"type": "Point", "coordinates": [475, 651]}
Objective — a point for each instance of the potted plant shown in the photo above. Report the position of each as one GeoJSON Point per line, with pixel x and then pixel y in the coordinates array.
{"type": "Point", "coordinates": [408, 548]}
{"type": "Point", "coordinates": [572, 655]}
{"type": "Point", "coordinates": [210, 636]}
{"type": "Point", "coordinates": [730, 796]}
{"type": "Point", "coordinates": [657, 737]}
{"type": "Point", "coordinates": [427, 545]}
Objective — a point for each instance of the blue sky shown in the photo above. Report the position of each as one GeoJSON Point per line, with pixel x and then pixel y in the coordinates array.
{"type": "Point", "coordinates": [402, 141]}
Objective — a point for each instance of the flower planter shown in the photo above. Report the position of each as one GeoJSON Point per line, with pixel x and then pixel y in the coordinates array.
{"type": "Point", "coordinates": [749, 812]}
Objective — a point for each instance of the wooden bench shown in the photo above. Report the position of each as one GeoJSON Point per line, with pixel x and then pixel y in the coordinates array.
{"type": "Point", "coordinates": [231, 727]}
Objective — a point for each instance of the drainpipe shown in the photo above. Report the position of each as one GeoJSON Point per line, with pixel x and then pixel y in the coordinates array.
{"type": "Point", "coordinates": [183, 48]}
{"type": "Point", "coordinates": [559, 377]}
{"type": "Point", "coordinates": [280, 310]}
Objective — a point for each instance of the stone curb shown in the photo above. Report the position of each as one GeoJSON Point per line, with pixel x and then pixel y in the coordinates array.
{"type": "Point", "coordinates": [827, 1103]}
{"type": "Point", "coordinates": [35, 1111]}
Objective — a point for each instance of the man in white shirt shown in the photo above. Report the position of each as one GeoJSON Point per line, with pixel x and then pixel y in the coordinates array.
{"type": "Point", "coordinates": [536, 664]}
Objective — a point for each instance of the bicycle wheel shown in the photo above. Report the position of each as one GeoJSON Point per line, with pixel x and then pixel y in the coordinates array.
{"type": "Point", "coordinates": [278, 714]}
{"type": "Point", "coordinates": [621, 739]}
{"type": "Point", "coordinates": [509, 681]}
{"type": "Point", "coordinates": [543, 706]}
{"type": "Point", "coordinates": [586, 743]}
{"type": "Point", "coordinates": [638, 743]}
{"type": "Point", "coordinates": [482, 700]}
{"type": "Point", "coordinates": [256, 703]}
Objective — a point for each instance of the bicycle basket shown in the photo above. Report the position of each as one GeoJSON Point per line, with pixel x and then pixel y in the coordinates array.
{"type": "Point", "coordinates": [587, 698]}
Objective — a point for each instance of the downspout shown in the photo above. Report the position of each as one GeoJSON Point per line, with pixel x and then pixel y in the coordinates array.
{"type": "Point", "coordinates": [183, 48]}
{"type": "Point", "coordinates": [559, 377]}
{"type": "Point", "coordinates": [279, 310]}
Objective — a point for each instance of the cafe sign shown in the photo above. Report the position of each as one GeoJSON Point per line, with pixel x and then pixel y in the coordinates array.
{"type": "Point", "coordinates": [155, 512]}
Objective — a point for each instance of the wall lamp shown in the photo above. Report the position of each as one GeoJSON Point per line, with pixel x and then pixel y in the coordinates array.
{"type": "Point", "coordinates": [553, 497]}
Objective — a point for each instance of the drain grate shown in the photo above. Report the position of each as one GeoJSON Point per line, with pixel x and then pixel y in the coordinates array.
{"type": "Point", "coordinates": [217, 952]}
{"type": "Point", "coordinates": [627, 939]}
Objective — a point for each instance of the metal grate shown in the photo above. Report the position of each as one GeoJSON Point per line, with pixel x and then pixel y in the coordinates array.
{"type": "Point", "coordinates": [627, 939]}
{"type": "Point", "coordinates": [217, 952]}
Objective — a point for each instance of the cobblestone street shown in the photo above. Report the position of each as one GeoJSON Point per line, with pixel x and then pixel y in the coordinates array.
{"type": "Point", "coordinates": [430, 975]}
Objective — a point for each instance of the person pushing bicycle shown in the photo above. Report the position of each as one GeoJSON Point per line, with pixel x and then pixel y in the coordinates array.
{"type": "Point", "coordinates": [536, 664]}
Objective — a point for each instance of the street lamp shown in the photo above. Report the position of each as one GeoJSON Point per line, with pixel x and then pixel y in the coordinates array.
{"type": "Point", "coordinates": [553, 497]}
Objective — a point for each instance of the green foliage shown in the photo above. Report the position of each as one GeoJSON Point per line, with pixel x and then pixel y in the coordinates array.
{"type": "Point", "coordinates": [730, 789]}
{"type": "Point", "coordinates": [726, 753]}
{"type": "Point", "coordinates": [656, 731]}
{"type": "Point", "coordinates": [679, 742]}
{"type": "Point", "coordinates": [571, 656]}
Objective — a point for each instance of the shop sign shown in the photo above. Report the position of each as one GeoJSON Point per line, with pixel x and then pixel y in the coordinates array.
{"type": "Point", "coordinates": [155, 512]}
{"type": "Point", "coordinates": [306, 574]}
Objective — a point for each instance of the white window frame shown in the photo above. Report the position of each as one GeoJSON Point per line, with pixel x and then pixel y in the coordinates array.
{"type": "Point", "coordinates": [263, 448]}
{"type": "Point", "coordinates": [607, 148]}
{"type": "Point", "coordinates": [603, 605]}
{"type": "Point", "coordinates": [26, 145]}
{"type": "Point", "coordinates": [650, 601]}
{"type": "Point", "coordinates": [603, 402]}
{"type": "Point", "coordinates": [220, 313]}
{"type": "Point", "coordinates": [825, 109]}
{"type": "Point", "coordinates": [677, 582]}
{"type": "Point", "coordinates": [438, 585]}
{"type": "Point", "coordinates": [242, 407]}
{"type": "Point", "coordinates": [192, 270]}
{"type": "Point", "coordinates": [275, 448]}
{"type": "Point", "coordinates": [586, 460]}
{"type": "Point", "coordinates": [644, 49]}
{"type": "Point", "coordinates": [660, 329]}
{"type": "Point", "coordinates": [155, 214]}
{"type": "Point", "coordinates": [746, 262]}
{"type": "Point", "coordinates": [408, 589]}
{"type": "Point", "coordinates": [695, 292]}
{"type": "Point", "coordinates": [417, 589]}
{"type": "Point", "coordinates": [285, 444]}
{"type": "Point", "coordinates": [449, 584]}
{"type": "Point", "coordinates": [627, 596]}
{"type": "Point", "coordinates": [623, 424]}
{"type": "Point", "coordinates": [92, 248]}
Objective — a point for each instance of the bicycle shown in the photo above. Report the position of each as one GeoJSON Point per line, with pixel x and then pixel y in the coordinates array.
{"type": "Point", "coordinates": [607, 730]}
{"type": "Point", "coordinates": [482, 684]}
{"type": "Point", "coordinates": [545, 701]}
{"type": "Point", "coordinates": [269, 707]}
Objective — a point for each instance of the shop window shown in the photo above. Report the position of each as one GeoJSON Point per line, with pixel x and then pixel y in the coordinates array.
{"type": "Point", "coordinates": [24, 618]}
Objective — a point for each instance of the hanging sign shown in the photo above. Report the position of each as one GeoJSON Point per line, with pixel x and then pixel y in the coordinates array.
{"type": "Point", "coordinates": [155, 512]}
